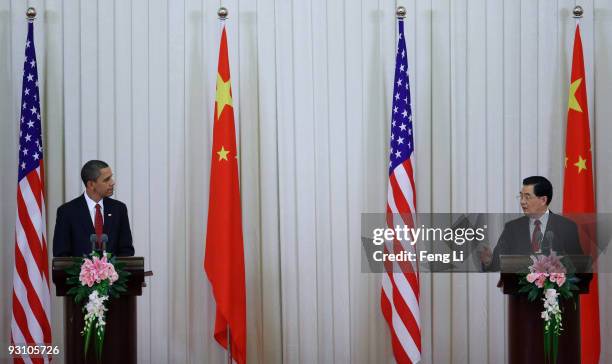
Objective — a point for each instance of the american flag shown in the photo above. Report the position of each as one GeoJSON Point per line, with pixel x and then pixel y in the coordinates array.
{"type": "Point", "coordinates": [400, 282]}
{"type": "Point", "coordinates": [31, 296]}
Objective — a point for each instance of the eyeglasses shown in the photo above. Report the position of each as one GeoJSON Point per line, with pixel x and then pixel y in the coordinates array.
{"type": "Point", "coordinates": [525, 196]}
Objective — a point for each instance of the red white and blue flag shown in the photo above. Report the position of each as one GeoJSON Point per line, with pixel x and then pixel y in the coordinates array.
{"type": "Point", "coordinates": [400, 283]}
{"type": "Point", "coordinates": [31, 321]}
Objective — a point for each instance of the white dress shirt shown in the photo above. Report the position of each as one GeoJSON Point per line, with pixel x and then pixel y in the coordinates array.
{"type": "Point", "coordinates": [91, 205]}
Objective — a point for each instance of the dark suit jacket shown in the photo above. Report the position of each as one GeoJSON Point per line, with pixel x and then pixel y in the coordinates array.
{"type": "Point", "coordinates": [515, 239]}
{"type": "Point", "coordinates": [73, 228]}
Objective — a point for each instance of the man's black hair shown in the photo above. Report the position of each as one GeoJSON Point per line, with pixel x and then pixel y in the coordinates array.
{"type": "Point", "coordinates": [541, 187]}
{"type": "Point", "coordinates": [91, 170]}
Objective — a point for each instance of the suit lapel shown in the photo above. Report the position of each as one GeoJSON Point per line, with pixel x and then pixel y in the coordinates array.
{"type": "Point", "coordinates": [551, 222]}
{"type": "Point", "coordinates": [85, 216]}
{"type": "Point", "coordinates": [109, 216]}
{"type": "Point", "coordinates": [525, 233]}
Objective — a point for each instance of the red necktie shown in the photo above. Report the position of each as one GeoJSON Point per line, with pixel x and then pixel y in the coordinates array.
{"type": "Point", "coordinates": [535, 243]}
{"type": "Point", "coordinates": [99, 223]}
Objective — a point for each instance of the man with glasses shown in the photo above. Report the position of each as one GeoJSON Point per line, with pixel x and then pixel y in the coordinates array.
{"type": "Point", "coordinates": [539, 226]}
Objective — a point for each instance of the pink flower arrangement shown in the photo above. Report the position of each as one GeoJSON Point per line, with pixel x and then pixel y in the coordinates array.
{"type": "Point", "coordinates": [544, 267]}
{"type": "Point", "coordinates": [96, 270]}
{"type": "Point", "coordinates": [96, 278]}
{"type": "Point", "coordinates": [549, 280]}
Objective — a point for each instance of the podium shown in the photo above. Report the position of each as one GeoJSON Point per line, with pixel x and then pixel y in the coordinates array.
{"type": "Point", "coordinates": [525, 324]}
{"type": "Point", "coordinates": [120, 335]}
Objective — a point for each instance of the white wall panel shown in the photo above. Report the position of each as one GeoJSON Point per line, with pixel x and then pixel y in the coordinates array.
{"type": "Point", "coordinates": [287, 183]}
{"type": "Point", "coordinates": [459, 167]}
{"type": "Point", "coordinates": [495, 328]}
{"type": "Point", "coordinates": [346, 252]}
{"type": "Point", "coordinates": [340, 69]}
{"type": "Point", "coordinates": [141, 175]}
{"type": "Point", "coordinates": [527, 27]}
{"type": "Point", "coordinates": [158, 158]}
{"type": "Point", "coordinates": [440, 191]}
{"type": "Point", "coordinates": [132, 82]}
{"type": "Point", "coordinates": [72, 95]}
{"type": "Point", "coordinates": [178, 282]}
{"type": "Point", "coordinates": [551, 105]}
{"type": "Point", "coordinates": [305, 175]}
{"type": "Point", "coordinates": [88, 87]}
{"type": "Point", "coordinates": [477, 140]}
{"type": "Point", "coordinates": [269, 187]}
{"type": "Point", "coordinates": [321, 122]}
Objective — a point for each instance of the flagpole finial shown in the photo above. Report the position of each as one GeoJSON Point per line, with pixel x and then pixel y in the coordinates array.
{"type": "Point", "coordinates": [31, 14]}
{"type": "Point", "coordinates": [400, 12]}
{"type": "Point", "coordinates": [222, 12]}
{"type": "Point", "coordinates": [578, 11]}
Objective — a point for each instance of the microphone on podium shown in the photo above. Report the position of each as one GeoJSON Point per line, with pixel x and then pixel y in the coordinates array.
{"type": "Point", "coordinates": [547, 242]}
{"type": "Point", "coordinates": [98, 245]}
{"type": "Point", "coordinates": [103, 241]}
{"type": "Point", "coordinates": [93, 239]}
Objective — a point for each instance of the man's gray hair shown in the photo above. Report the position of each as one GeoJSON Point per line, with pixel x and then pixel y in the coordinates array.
{"type": "Point", "coordinates": [91, 170]}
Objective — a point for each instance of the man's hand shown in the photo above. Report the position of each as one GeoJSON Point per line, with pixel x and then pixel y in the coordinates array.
{"type": "Point", "coordinates": [486, 254]}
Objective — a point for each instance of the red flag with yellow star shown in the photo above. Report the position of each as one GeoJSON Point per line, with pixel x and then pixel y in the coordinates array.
{"type": "Point", "coordinates": [579, 194]}
{"type": "Point", "coordinates": [224, 257]}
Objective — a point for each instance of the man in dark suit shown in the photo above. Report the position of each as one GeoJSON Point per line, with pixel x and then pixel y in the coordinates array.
{"type": "Point", "coordinates": [539, 227]}
{"type": "Point", "coordinates": [94, 212]}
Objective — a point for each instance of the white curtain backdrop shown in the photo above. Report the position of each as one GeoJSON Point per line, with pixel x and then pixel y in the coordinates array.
{"type": "Point", "coordinates": [132, 82]}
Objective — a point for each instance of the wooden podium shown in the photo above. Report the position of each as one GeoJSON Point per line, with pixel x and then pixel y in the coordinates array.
{"type": "Point", "coordinates": [120, 336]}
{"type": "Point", "coordinates": [525, 325]}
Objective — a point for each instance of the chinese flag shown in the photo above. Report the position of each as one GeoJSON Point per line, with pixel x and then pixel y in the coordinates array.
{"type": "Point", "coordinates": [224, 257]}
{"type": "Point", "coordinates": [579, 195]}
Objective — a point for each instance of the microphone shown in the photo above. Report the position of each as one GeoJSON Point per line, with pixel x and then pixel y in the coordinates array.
{"type": "Point", "coordinates": [99, 245]}
{"type": "Point", "coordinates": [103, 241]}
{"type": "Point", "coordinates": [93, 239]}
{"type": "Point", "coordinates": [547, 242]}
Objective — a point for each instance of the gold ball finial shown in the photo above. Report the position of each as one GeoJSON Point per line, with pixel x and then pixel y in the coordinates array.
{"type": "Point", "coordinates": [578, 11]}
{"type": "Point", "coordinates": [400, 12]}
{"type": "Point", "coordinates": [222, 12]}
{"type": "Point", "coordinates": [31, 13]}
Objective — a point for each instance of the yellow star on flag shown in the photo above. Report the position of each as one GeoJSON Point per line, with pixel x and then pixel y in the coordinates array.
{"type": "Point", "coordinates": [223, 153]}
{"type": "Point", "coordinates": [573, 102]}
{"type": "Point", "coordinates": [223, 96]}
{"type": "Point", "coordinates": [581, 164]}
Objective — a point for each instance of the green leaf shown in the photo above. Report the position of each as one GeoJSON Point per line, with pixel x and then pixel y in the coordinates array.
{"type": "Point", "coordinates": [533, 295]}
{"type": "Point", "coordinates": [555, 347]}
{"type": "Point", "coordinates": [88, 336]}
{"type": "Point", "coordinates": [99, 344]}
{"type": "Point", "coordinates": [546, 346]}
{"type": "Point", "coordinates": [102, 342]}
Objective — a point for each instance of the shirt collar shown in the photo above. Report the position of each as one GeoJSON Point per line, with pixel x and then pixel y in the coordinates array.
{"type": "Point", "coordinates": [543, 219]}
{"type": "Point", "coordinates": [91, 204]}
